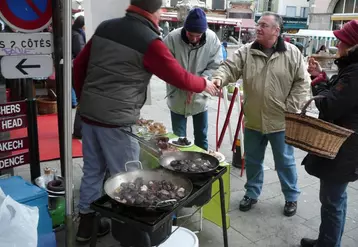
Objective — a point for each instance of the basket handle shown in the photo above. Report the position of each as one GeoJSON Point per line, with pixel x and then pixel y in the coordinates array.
{"type": "Point", "coordinates": [304, 109]}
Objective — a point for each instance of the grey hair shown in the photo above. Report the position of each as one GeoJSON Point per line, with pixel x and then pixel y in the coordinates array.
{"type": "Point", "coordinates": [278, 18]}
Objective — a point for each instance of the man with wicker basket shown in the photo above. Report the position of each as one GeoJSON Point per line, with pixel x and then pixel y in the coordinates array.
{"type": "Point", "coordinates": [274, 81]}
{"type": "Point", "coordinates": [337, 102]}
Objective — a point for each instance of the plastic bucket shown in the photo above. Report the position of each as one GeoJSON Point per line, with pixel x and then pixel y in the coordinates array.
{"type": "Point", "coordinates": [181, 238]}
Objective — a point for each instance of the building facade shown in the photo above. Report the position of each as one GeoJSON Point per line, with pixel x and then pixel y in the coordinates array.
{"type": "Point", "coordinates": [331, 14]}
{"type": "Point", "coordinates": [294, 12]}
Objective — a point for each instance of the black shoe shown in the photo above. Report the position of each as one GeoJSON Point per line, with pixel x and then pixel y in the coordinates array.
{"type": "Point", "coordinates": [246, 203]}
{"type": "Point", "coordinates": [306, 242]}
{"type": "Point", "coordinates": [85, 228]}
{"type": "Point", "coordinates": [290, 209]}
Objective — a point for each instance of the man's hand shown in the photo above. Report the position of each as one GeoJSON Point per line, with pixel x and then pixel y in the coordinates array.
{"type": "Point", "coordinates": [211, 88]}
{"type": "Point", "coordinates": [217, 82]}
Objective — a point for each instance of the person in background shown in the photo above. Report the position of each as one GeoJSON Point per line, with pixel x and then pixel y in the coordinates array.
{"type": "Point", "coordinates": [322, 48]}
{"type": "Point", "coordinates": [198, 50]}
{"type": "Point", "coordinates": [274, 81]}
{"type": "Point", "coordinates": [224, 49]}
{"type": "Point", "coordinates": [339, 106]}
{"type": "Point", "coordinates": [78, 43]}
{"type": "Point", "coordinates": [111, 75]}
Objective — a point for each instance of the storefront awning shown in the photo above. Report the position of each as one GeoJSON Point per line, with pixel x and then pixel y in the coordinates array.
{"type": "Point", "coordinates": [344, 17]}
{"type": "Point", "coordinates": [243, 23]}
{"type": "Point", "coordinates": [314, 34]}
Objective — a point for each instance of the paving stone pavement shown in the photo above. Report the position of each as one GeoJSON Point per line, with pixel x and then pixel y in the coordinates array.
{"type": "Point", "coordinates": [264, 225]}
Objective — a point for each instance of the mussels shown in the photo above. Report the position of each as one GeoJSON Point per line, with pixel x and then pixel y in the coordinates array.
{"type": "Point", "coordinates": [148, 194]}
{"type": "Point", "coordinates": [197, 165]}
{"type": "Point", "coordinates": [182, 142]}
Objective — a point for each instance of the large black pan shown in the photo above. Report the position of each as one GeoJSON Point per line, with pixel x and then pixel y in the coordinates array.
{"type": "Point", "coordinates": [168, 157]}
{"type": "Point", "coordinates": [114, 182]}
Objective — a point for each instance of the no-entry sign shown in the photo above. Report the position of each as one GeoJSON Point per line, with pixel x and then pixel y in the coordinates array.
{"type": "Point", "coordinates": [26, 15]}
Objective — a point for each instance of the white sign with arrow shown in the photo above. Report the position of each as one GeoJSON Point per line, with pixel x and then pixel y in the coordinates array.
{"type": "Point", "coordinates": [33, 66]}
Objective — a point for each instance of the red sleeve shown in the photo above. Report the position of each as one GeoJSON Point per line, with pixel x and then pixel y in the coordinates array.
{"type": "Point", "coordinates": [159, 60]}
{"type": "Point", "coordinates": [80, 65]}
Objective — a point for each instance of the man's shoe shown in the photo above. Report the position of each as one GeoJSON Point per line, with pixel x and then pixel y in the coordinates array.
{"type": "Point", "coordinates": [246, 203]}
{"type": "Point", "coordinates": [76, 136]}
{"type": "Point", "coordinates": [306, 242]}
{"type": "Point", "coordinates": [85, 228]}
{"type": "Point", "coordinates": [290, 209]}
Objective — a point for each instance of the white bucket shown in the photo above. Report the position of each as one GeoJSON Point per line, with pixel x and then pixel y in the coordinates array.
{"type": "Point", "coordinates": [181, 238]}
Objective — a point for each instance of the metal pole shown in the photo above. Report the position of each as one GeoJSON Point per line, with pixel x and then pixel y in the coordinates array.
{"type": "Point", "coordinates": [57, 38]}
{"type": "Point", "coordinates": [67, 114]}
{"type": "Point", "coordinates": [32, 131]}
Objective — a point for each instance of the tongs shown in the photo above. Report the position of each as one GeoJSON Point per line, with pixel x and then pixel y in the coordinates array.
{"type": "Point", "coordinates": [146, 145]}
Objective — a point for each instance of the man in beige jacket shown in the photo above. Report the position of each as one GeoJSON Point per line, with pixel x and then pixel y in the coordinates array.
{"type": "Point", "coordinates": [274, 81]}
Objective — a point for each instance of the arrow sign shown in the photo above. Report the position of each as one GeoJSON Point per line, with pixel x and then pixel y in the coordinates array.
{"type": "Point", "coordinates": [33, 66]}
{"type": "Point", "coordinates": [21, 66]}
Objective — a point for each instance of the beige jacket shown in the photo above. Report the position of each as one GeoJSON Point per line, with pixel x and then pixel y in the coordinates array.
{"type": "Point", "coordinates": [271, 85]}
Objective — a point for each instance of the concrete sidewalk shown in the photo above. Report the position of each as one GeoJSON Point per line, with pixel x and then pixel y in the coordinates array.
{"type": "Point", "coordinates": [265, 224]}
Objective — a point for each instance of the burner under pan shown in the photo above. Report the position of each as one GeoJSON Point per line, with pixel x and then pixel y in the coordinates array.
{"type": "Point", "coordinates": [140, 227]}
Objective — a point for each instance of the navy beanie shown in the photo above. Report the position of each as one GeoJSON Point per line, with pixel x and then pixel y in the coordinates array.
{"type": "Point", "coordinates": [196, 21]}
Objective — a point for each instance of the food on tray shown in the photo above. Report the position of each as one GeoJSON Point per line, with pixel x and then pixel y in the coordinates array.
{"type": "Point", "coordinates": [144, 122]}
{"type": "Point", "coordinates": [197, 165]}
{"type": "Point", "coordinates": [182, 142]}
{"type": "Point", "coordinates": [157, 129]}
{"type": "Point", "coordinates": [162, 143]}
{"type": "Point", "coordinates": [148, 194]}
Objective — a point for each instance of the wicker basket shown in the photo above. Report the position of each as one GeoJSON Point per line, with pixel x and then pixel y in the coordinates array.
{"type": "Point", "coordinates": [314, 135]}
{"type": "Point", "coordinates": [46, 106]}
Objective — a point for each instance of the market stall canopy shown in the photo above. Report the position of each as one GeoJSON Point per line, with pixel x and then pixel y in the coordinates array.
{"type": "Point", "coordinates": [314, 34]}
{"type": "Point", "coordinates": [243, 23]}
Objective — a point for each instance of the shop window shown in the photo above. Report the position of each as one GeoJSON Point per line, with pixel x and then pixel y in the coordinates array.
{"type": "Point", "coordinates": [337, 25]}
{"type": "Point", "coordinates": [304, 12]}
{"type": "Point", "coordinates": [346, 6]}
{"type": "Point", "coordinates": [291, 11]}
{"type": "Point", "coordinates": [356, 8]}
{"type": "Point", "coordinates": [349, 6]}
{"type": "Point", "coordinates": [339, 7]}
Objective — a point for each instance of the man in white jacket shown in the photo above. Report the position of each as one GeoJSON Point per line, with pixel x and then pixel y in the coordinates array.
{"type": "Point", "coordinates": [198, 50]}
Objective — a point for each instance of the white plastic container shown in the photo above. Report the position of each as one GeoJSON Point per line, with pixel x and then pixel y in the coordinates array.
{"type": "Point", "coordinates": [181, 238]}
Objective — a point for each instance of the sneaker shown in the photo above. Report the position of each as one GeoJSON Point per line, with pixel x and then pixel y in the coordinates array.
{"type": "Point", "coordinates": [85, 228]}
{"type": "Point", "coordinates": [290, 209]}
{"type": "Point", "coordinates": [246, 203]}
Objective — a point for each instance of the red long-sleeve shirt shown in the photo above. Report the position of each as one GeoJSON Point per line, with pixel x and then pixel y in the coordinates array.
{"type": "Point", "coordinates": [158, 60]}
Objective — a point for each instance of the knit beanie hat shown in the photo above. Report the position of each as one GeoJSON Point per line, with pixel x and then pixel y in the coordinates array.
{"type": "Point", "coordinates": [196, 21]}
{"type": "Point", "coordinates": [150, 6]}
{"type": "Point", "coordinates": [348, 34]}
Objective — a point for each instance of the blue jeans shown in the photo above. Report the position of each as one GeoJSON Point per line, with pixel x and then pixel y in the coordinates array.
{"type": "Point", "coordinates": [333, 197]}
{"type": "Point", "coordinates": [255, 147]}
{"type": "Point", "coordinates": [74, 98]}
{"type": "Point", "coordinates": [103, 149]}
{"type": "Point", "coordinates": [200, 122]}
